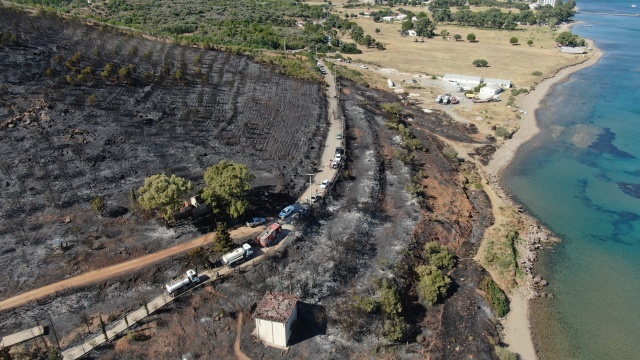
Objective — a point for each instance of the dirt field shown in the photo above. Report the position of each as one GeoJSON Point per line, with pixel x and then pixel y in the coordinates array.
{"type": "Point", "coordinates": [65, 144]}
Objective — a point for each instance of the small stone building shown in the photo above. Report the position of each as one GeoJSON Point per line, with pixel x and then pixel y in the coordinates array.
{"type": "Point", "coordinates": [274, 316]}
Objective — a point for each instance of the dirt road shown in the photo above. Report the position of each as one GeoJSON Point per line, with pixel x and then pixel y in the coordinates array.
{"type": "Point", "coordinates": [116, 270]}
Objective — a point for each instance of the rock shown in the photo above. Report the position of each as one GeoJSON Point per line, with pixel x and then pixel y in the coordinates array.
{"type": "Point", "coordinates": [550, 296]}
{"type": "Point", "coordinates": [67, 219]}
{"type": "Point", "coordinates": [544, 283]}
{"type": "Point", "coordinates": [543, 295]}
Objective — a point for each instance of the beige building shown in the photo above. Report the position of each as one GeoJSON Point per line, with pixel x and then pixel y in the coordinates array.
{"type": "Point", "coordinates": [274, 316]}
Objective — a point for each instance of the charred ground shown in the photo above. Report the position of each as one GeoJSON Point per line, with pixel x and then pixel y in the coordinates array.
{"type": "Point", "coordinates": [69, 134]}
{"type": "Point", "coordinates": [370, 228]}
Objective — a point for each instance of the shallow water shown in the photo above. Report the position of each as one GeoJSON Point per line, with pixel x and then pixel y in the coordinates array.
{"type": "Point", "coordinates": [580, 176]}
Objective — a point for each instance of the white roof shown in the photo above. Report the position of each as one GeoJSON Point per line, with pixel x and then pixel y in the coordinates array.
{"type": "Point", "coordinates": [503, 82]}
{"type": "Point", "coordinates": [573, 50]}
{"type": "Point", "coordinates": [462, 78]}
{"type": "Point", "coordinates": [491, 88]}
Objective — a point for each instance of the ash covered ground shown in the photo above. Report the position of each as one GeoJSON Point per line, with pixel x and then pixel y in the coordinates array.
{"type": "Point", "coordinates": [369, 228]}
{"type": "Point", "coordinates": [65, 143]}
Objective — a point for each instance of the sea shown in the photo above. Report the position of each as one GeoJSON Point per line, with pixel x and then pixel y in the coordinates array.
{"type": "Point", "coordinates": [580, 176]}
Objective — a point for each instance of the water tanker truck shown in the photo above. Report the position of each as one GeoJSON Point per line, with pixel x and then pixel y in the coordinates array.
{"type": "Point", "coordinates": [237, 255]}
{"type": "Point", "coordinates": [191, 277]}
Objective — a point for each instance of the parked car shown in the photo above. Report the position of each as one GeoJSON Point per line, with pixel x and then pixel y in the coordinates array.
{"type": "Point", "coordinates": [338, 157]}
{"type": "Point", "coordinates": [338, 150]}
{"type": "Point", "coordinates": [325, 184]}
{"type": "Point", "coordinates": [315, 198]}
{"type": "Point", "coordinates": [287, 211]}
{"type": "Point", "coordinates": [364, 66]}
{"type": "Point", "coordinates": [256, 221]}
{"type": "Point", "coordinates": [339, 136]}
{"type": "Point", "coordinates": [303, 211]}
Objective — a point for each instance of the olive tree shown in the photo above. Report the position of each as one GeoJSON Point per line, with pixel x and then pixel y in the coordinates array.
{"type": "Point", "coordinates": [227, 185]}
{"type": "Point", "coordinates": [163, 194]}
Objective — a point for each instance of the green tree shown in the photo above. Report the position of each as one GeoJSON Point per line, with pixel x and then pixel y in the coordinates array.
{"type": "Point", "coordinates": [513, 40]}
{"type": "Point", "coordinates": [433, 284]}
{"type": "Point", "coordinates": [480, 63]}
{"type": "Point", "coordinates": [424, 27]}
{"type": "Point", "coordinates": [458, 37]}
{"type": "Point", "coordinates": [377, 30]}
{"type": "Point", "coordinates": [109, 71]}
{"type": "Point", "coordinates": [395, 328]}
{"type": "Point", "coordinates": [227, 186]}
{"type": "Point", "coordinates": [222, 241]}
{"type": "Point", "coordinates": [444, 34]}
{"type": "Point", "coordinates": [566, 38]}
{"type": "Point", "coordinates": [379, 45]}
{"type": "Point", "coordinates": [471, 37]}
{"type": "Point", "coordinates": [163, 194]}
{"type": "Point", "coordinates": [529, 42]}
{"type": "Point", "coordinates": [98, 204]}
{"type": "Point", "coordinates": [406, 26]}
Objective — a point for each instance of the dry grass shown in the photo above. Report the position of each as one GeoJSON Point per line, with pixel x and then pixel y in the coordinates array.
{"type": "Point", "coordinates": [438, 56]}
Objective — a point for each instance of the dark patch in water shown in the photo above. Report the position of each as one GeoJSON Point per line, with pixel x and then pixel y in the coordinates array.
{"type": "Point", "coordinates": [604, 144]}
{"type": "Point", "coordinates": [603, 177]}
{"type": "Point", "coordinates": [630, 189]}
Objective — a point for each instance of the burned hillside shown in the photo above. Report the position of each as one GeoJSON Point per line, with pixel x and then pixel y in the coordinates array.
{"type": "Point", "coordinates": [86, 113]}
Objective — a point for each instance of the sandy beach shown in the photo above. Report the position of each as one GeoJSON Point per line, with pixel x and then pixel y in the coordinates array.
{"type": "Point", "coordinates": [528, 106]}
{"type": "Point", "coordinates": [517, 327]}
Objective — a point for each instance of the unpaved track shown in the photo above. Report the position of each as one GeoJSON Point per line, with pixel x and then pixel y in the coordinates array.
{"type": "Point", "coordinates": [236, 345]}
{"type": "Point", "coordinates": [116, 270]}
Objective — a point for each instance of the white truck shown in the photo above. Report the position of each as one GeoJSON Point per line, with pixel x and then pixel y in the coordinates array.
{"type": "Point", "coordinates": [237, 255]}
{"type": "Point", "coordinates": [191, 277]}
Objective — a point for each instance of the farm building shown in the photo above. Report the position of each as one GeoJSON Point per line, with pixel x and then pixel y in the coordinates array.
{"type": "Point", "coordinates": [401, 17]}
{"type": "Point", "coordinates": [505, 84]}
{"type": "Point", "coordinates": [274, 316]}
{"type": "Point", "coordinates": [411, 33]}
{"type": "Point", "coordinates": [489, 91]}
{"type": "Point", "coordinates": [388, 18]}
{"type": "Point", "coordinates": [573, 50]}
{"type": "Point", "coordinates": [465, 81]}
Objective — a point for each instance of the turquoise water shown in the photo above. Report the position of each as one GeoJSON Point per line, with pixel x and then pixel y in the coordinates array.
{"type": "Point", "coordinates": [581, 177]}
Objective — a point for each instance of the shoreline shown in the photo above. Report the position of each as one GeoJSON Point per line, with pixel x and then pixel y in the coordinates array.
{"type": "Point", "coordinates": [517, 325]}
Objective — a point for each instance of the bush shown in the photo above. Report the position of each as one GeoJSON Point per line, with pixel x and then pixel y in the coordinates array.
{"type": "Point", "coordinates": [439, 256]}
{"type": "Point", "coordinates": [513, 40]}
{"type": "Point", "coordinates": [480, 63]}
{"type": "Point", "coordinates": [471, 37]}
{"type": "Point", "coordinates": [366, 304]}
{"type": "Point", "coordinates": [389, 298]}
{"type": "Point", "coordinates": [433, 284]}
{"type": "Point", "coordinates": [529, 42]}
{"type": "Point", "coordinates": [536, 73]}
{"type": "Point", "coordinates": [450, 153]}
{"type": "Point", "coordinates": [349, 48]}
{"type": "Point", "coordinates": [502, 132]}
{"type": "Point", "coordinates": [495, 296]}
{"type": "Point", "coordinates": [98, 204]}
{"type": "Point", "coordinates": [395, 328]}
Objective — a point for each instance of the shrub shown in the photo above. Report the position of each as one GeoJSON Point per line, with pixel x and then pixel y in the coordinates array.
{"type": "Point", "coordinates": [471, 37]}
{"type": "Point", "coordinates": [529, 42]}
{"type": "Point", "coordinates": [480, 63]}
{"type": "Point", "coordinates": [450, 153]}
{"type": "Point", "coordinates": [502, 132]}
{"type": "Point", "coordinates": [443, 260]}
{"type": "Point", "coordinates": [536, 73]}
{"type": "Point", "coordinates": [389, 298]}
{"type": "Point", "coordinates": [350, 48]}
{"type": "Point", "coordinates": [495, 296]}
{"type": "Point", "coordinates": [366, 304]}
{"type": "Point", "coordinates": [513, 40]}
{"type": "Point", "coordinates": [395, 328]}
{"type": "Point", "coordinates": [433, 284]}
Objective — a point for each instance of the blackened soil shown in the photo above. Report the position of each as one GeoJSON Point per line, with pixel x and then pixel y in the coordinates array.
{"type": "Point", "coordinates": [69, 134]}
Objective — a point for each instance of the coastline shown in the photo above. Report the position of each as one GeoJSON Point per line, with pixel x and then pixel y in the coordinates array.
{"type": "Point", "coordinates": [529, 104]}
{"type": "Point", "coordinates": [517, 325]}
